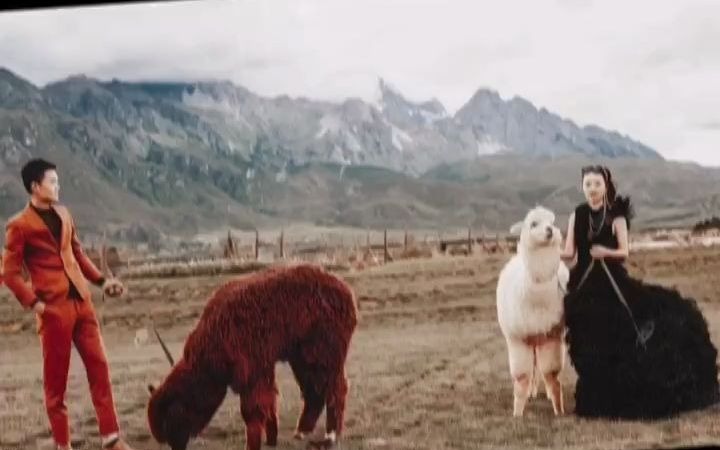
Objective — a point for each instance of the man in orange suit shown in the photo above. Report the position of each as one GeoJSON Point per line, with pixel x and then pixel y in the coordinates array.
{"type": "Point", "coordinates": [43, 238]}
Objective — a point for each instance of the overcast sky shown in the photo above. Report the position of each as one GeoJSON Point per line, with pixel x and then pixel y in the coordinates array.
{"type": "Point", "coordinates": [647, 68]}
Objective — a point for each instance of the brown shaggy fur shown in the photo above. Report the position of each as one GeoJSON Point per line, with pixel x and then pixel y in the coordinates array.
{"type": "Point", "coordinates": [302, 315]}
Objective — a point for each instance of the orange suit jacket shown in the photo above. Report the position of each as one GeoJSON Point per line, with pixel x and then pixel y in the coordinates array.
{"type": "Point", "coordinates": [29, 242]}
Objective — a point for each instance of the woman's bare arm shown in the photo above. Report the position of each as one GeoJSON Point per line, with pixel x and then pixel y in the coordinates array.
{"type": "Point", "coordinates": [621, 232]}
{"type": "Point", "coordinates": [569, 252]}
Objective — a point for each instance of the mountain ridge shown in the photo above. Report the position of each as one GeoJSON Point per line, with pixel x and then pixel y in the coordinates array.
{"type": "Point", "coordinates": [214, 154]}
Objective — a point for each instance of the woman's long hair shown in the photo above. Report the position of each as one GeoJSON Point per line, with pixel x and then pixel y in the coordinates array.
{"type": "Point", "coordinates": [619, 205]}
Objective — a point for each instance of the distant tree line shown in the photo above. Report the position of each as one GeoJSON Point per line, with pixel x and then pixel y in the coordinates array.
{"type": "Point", "coordinates": [707, 224]}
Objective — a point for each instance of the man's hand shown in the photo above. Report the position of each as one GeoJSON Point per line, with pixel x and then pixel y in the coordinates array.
{"type": "Point", "coordinates": [113, 287]}
{"type": "Point", "coordinates": [39, 308]}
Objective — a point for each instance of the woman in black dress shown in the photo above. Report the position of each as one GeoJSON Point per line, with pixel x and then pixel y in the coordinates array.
{"type": "Point", "coordinates": [641, 351]}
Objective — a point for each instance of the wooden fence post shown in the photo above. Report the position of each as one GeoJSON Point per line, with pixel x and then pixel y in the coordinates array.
{"type": "Point", "coordinates": [469, 241]}
{"type": "Point", "coordinates": [257, 244]}
{"type": "Point", "coordinates": [385, 246]}
{"type": "Point", "coordinates": [282, 243]}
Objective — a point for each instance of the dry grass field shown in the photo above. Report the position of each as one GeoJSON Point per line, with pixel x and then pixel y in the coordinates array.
{"type": "Point", "coordinates": [427, 366]}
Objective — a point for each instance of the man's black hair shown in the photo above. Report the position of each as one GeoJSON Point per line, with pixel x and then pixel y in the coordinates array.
{"type": "Point", "coordinates": [34, 170]}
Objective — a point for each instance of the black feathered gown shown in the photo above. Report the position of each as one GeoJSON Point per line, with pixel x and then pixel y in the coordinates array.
{"type": "Point", "coordinates": [617, 377]}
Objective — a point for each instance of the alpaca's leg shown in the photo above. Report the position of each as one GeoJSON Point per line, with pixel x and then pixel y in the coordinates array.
{"type": "Point", "coordinates": [521, 392]}
{"type": "Point", "coordinates": [335, 413]}
{"type": "Point", "coordinates": [552, 384]}
{"type": "Point", "coordinates": [536, 376]}
{"type": "Point", "coordinates": [256, 405]}
{"type": "Point", "coordinates": [254, 422]}
{"type": "Point", "coordinates": [550, 362]}
{"type": "Point", "coordinates": [313, 397]}
{"type": "Point", "coordinates": [271, 429]}
{"type": "Point", "coordinates": [521, 360]}
{"type": "Point", "coordinates": [272, 422]}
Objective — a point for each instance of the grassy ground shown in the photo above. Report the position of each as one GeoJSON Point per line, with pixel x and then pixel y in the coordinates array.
{"type": "Point", "coordinates": [428, 366]}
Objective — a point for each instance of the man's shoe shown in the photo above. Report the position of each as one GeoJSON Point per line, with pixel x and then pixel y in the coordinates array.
{"type": "Point", "coordinates": [118, 444]}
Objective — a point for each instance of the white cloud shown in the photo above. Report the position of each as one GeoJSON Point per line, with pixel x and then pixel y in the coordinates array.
{"type": "Point", "coordinates": [645, 68]}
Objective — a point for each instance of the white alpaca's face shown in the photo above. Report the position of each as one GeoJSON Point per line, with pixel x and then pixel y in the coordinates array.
{"type": "Point", "coordinates": [538, 229]}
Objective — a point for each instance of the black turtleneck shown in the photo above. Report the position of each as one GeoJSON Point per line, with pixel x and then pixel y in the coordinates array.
{"type": "Point", "coordinates": [54, 224]}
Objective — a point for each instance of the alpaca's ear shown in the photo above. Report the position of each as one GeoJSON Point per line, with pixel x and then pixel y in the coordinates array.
{"type": "Point", "coordinates": [516, 228]}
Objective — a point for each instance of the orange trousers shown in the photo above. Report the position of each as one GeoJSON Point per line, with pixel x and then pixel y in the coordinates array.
{"type": "Point", "coordinates": [61, 324]}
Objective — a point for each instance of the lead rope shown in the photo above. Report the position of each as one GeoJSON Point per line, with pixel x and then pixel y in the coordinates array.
{"type": "Point", "coordinates": [642, 335]}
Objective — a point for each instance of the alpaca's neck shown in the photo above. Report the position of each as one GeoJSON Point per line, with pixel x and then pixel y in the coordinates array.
{"type": "Point", "coordinates": [541, 263]}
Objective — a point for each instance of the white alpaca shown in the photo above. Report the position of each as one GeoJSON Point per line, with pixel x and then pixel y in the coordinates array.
{"type": "Point", "coordinates": [530, 309]}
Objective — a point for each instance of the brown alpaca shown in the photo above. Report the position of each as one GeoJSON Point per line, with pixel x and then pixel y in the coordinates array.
{"type": "Point", "coordinates": [302, 315]}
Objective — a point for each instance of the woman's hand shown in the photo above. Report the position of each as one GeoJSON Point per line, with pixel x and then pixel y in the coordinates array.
{"type": "Point", "coordinates": [622, 252]}
{"type": "Point", "coordinates": [600, 252]}
{"type": "Point", "coordinates": [565, 256]}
